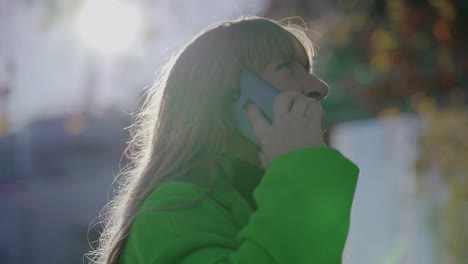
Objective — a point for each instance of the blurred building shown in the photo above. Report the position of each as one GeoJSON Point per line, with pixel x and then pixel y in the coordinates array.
{"type": "Point", "coordinates": [55, 177]}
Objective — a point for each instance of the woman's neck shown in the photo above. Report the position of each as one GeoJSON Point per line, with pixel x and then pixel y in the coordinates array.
{"type": "Point", "coordinates": [243, 149]}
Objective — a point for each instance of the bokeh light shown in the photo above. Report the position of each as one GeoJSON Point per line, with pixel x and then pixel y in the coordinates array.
{"type": "Point", "coordinates": [109, 26]}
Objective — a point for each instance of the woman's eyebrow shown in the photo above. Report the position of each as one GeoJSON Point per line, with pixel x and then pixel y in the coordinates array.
{"type": "Point", "coordinates": [283, 59]}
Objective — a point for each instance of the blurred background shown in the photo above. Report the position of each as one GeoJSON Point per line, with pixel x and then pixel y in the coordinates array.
{"type": "Point", "coordinates": [71, 72]}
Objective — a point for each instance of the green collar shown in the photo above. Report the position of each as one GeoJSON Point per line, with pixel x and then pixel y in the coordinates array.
{"type": "Point", "coordinates": [247, 177]}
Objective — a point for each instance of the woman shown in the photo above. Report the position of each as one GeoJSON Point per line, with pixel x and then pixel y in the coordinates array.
{"type": "Point", "coordinates": [189, 195]}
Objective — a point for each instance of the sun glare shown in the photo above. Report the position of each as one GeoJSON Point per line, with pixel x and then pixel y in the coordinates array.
{"type": "Point", "coordinates": [109, 26]}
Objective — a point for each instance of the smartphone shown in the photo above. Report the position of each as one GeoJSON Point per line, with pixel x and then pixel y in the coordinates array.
{"type": "Point", "coordinates": [253, 90]}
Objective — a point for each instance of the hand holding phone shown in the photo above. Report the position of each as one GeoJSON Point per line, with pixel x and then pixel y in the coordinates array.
{"type": "Point", "coordinates": [297, 119]}
{"type": "Point", "coordinates": [253, 90]}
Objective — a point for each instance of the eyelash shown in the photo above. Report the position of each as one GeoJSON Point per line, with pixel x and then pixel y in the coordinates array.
{"type": "Point", "coordinates": [288, 65]}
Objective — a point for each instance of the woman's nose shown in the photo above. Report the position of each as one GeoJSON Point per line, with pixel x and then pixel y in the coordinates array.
{"type": "Point", "coordinates": [315, 88]}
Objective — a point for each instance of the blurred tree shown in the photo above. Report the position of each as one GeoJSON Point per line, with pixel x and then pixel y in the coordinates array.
{"type": "Point", "coordinates": [5, 91]}
{"type": "Point", "coordinates": [444, 148]}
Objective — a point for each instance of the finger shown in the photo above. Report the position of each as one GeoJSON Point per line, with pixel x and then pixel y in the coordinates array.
{"type": "Point", "coordinates": [284, 103]}
{"type": "Point", "coordinates": [256, 119]}
{"type": "Point", "coordinates": [300, 106]}
{"type": "Point", "coordinates": [314, 109]}
{"type": "Point", "coordinates": [323, 122]}
{"type": "Point", "coordinates": [264, 160]}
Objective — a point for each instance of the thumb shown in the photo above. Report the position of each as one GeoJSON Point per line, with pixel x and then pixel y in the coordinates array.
{"type": "Point", "coordinates": [264, 160]}
{"type": "Point", "coordinates": [258, 122]}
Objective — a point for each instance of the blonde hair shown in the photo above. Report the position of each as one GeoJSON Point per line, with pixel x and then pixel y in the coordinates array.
{"type": "Point", "coordinates": [184, 122]}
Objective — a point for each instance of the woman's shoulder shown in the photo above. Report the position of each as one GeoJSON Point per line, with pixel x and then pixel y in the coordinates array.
{"type": "Point", "coordinates": [183, 194]}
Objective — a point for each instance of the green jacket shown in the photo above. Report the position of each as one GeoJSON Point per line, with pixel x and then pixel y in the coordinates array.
{"type": "Point", "coordinates": [299, 213]}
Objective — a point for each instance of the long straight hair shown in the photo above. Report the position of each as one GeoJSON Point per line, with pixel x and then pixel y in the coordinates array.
{"type": "Point", "coordinates": [184, 121]}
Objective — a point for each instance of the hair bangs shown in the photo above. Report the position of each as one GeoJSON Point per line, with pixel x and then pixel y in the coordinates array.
{"type": "Point", "coordinates": [268, 41]}
{"type": "Point", "coordinates": [306, 45]}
